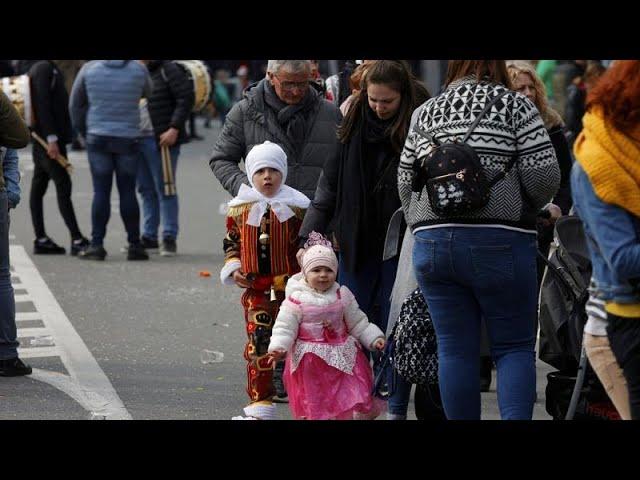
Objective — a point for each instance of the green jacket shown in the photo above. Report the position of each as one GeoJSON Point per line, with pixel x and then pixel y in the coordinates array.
{"type": "Point", "coordinates": [545, 70]}
{"type": "Point", "coordinates": [14, 133]}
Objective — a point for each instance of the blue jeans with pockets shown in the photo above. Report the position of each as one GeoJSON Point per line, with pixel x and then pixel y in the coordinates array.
{"type": "Point", "coordinates": [471, 273]}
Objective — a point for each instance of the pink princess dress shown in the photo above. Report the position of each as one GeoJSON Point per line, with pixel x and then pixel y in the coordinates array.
{"type": "Point", "coordinates": [327, 375]}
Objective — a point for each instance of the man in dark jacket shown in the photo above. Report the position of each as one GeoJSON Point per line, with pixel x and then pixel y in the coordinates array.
{"type": "Point", "coordinates": [169, 107]}
{"type": "Point", "coordinates": [53, 124]}
{"type": "Point", "coordinates": [284, 109]}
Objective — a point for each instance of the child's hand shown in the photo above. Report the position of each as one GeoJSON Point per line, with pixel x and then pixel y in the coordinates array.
{"type": "Point", "coordinates": [379, 344]}
{"type": "Point", "coordinates": [240, 279]}
{"type": "Point", "coordinates": [275, 356]}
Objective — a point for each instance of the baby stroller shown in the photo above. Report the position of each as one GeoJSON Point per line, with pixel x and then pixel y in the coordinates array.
{"type": "Point", "coordinates": [574, 391]}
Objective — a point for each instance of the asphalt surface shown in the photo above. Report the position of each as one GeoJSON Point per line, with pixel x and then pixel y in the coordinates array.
{"type": "Point", "coordinates": [146, 323]}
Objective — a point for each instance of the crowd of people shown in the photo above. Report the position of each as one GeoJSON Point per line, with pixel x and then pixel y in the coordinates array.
{"type": "Point", "coordinates": [365, 203]}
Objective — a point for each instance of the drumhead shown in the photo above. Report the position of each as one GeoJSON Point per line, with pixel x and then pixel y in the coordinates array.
{"type": "Point", "coordinates": [18, 89]}
{"type": "Point", "coordinates": [201, 82]}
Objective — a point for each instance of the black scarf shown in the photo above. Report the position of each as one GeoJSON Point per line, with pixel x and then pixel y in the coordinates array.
{"type": "Point", "coordinates": [292, 118]}
{"type": "Point", "coordinates": [375, 129]}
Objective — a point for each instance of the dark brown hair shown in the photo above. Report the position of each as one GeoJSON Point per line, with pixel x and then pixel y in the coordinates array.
{"type": "Point", "coordinates": [495, 70]}
{"type": "Point", "coordinates": [618, 93]}
{"type": "Point", "coordinates": [395, 74]}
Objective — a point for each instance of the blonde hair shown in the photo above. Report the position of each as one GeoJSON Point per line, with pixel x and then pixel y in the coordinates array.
{"type": "Point", "coordinates": [550, 117]}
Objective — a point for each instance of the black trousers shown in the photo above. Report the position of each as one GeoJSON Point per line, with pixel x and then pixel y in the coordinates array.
{"type": "Point", "coordinates": [624, 338]}
{"type": "Point", "coordinates": [47, 169]}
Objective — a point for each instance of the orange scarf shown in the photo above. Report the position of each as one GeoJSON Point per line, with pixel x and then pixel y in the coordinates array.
{"type": "Point", "coordinates": [611, 160]}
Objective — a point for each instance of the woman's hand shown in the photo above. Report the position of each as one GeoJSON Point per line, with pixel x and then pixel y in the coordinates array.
{"type": "Point", "coordinates": [240, 279]}
{"type": "Point", "coordinates": [379, 344]}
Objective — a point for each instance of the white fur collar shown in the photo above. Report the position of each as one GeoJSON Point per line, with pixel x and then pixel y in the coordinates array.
{"type": "Point", "coordinates": [299, 289]}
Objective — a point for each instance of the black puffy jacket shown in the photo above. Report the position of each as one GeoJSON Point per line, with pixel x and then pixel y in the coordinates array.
{"type": "Point", "coordinates": [172, 98]}
{"type": "Point", "coordinates": [250, 122]}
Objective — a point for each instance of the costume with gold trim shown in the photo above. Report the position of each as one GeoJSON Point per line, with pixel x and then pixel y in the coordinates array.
{"type": "Point", "coordinates": [267, 256]}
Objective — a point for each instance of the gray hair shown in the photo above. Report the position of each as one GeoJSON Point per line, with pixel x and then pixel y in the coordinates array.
{"type": "Point", "coordinates": [295, 66]}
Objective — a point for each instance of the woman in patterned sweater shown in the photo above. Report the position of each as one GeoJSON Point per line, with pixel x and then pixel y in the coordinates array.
{"type": "Point", "coordinates": [482, 264]}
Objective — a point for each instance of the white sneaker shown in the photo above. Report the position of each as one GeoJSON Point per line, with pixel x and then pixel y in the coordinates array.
{"type": "Point", "coordinates": [261, 411]}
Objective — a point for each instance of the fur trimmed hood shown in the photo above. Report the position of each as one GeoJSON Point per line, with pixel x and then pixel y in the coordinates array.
{"type": "Point", "coordinates": [298, 289]}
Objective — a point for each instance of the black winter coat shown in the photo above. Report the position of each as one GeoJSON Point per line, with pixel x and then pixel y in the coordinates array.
{"type": "Point", "coordinates": [565, 162]}
{"type": "Point", "coordinates": [251, 122]}
{"type": "Point", "coordinates": [50, 101]}
{"type": "Point", "coordinates": [344, 192]}
{"type": "Point", "coordinates": [172, 98]}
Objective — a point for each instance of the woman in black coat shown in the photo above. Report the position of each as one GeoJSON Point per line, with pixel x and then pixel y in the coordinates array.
{"type": "Point", "coordinates": [358, 187]}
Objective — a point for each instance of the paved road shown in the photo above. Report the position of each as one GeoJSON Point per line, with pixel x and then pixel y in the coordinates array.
{"type": "Point", "coordinates": [121, 339]}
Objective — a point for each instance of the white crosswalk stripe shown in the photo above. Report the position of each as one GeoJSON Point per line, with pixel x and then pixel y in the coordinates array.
{"type": "Point", "coordinates": [86, 382]}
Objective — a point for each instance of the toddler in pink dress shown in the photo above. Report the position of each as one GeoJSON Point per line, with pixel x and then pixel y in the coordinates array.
{"type": "Point", "coordinates": [321, 327]}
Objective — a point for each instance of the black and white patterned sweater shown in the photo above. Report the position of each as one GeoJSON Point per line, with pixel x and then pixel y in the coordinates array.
{"type": "Point", "coordinates": [513, 120]}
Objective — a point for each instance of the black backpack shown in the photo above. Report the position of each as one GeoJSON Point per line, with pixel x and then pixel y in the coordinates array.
{"type": "Point", "coordinates": [453, 175]}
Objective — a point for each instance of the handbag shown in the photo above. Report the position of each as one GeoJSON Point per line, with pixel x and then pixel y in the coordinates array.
{"type": "Point", "coordinates": [414, 345]}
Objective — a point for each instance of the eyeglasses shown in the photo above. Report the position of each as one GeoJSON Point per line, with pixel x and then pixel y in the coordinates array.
{"type": "Point", "coordinates": [292, 85]}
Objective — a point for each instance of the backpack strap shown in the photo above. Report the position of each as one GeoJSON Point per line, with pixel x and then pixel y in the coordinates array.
{"type": "Point", "coordinates": [501, 175]}
{"type": "Point", "coordinates": [486, 109]}
{"type": "Point", "coordinates": [424, 134]}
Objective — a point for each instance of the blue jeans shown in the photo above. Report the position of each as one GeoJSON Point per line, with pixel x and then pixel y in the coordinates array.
{"type": "Point", "coordinates": [8, 333]}
{"type": "Point", "coordinates": [466, 274]}
{"type": "Point", "coordinates": [400, 393]}
{"type": "Point", "coordinates": [371, 285]}
{"type": "Point", "coordinates": [151, 188]}
{"type": "Point", "coordinates": [106, 156]}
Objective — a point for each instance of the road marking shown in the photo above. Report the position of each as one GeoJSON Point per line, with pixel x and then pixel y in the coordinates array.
{"type": "Point", "coordinates": [34, 332]}
{"type": "Point", "coordinates": [22, 298]}
{"type": "Point", "coordinates": [24, 316]}
{"type": "Point", "coordinates": [86, 379]}
{"type": "Point", "coordinates": [39, 352]}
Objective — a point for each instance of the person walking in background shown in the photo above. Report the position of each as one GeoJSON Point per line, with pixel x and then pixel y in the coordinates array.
{"type": "Point", "coordinates": [606, 192]}
{"type": "Point", "coordinates": [53, 124]}
{"type": "Point", "coordinates": [105, 109]}
{"type": "Point", "coordinates": [477, 261]}
{"type": "Point", "coordinates": [169, 107]}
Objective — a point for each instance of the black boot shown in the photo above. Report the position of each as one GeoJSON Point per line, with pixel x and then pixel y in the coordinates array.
{"type": "Point", "coordinates": [78, 245]}
{"type": "Point", "coordinates": [137, 252]}
{"type": "Point", "coordinates": [46, 246]}
{"type": "Point", "coordinates": [14, 367]}
{"type": "Point", "coordinates": [281, 393]}
{"type": "Point", "coordinates": [92, 253]}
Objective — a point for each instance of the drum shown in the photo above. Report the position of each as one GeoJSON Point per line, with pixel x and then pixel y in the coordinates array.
{"type": "Point", "coordinates": [18, 89]}
{"type": "Point", "coordinates": [199, 75]}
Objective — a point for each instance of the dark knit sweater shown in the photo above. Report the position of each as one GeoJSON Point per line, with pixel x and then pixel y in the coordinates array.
{"type": "Point", "coordinates": [513, 124]}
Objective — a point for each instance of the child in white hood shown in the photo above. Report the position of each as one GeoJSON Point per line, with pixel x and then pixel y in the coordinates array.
{"type": "Point", "coordinates": [260, 255]}
{"type": "Point", "coordinates": [321, 327]}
